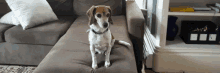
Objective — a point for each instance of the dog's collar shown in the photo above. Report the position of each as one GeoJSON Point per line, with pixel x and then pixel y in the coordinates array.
{"type": "Point", "coordinates": [99, 32]}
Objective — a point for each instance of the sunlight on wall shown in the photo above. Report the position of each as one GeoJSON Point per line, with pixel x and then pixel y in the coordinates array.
{"type": "Point", "coordinates": [140, 3]}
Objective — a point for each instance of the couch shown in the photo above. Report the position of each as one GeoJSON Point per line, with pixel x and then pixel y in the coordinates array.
{"type": "Point", "coordinates": [29, 47]}
{"type": "Point", "coordinates": [62, 46]}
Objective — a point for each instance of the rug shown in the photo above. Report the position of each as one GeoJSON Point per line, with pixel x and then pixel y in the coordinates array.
{"type": "Point", "coordinates": [16, 69]}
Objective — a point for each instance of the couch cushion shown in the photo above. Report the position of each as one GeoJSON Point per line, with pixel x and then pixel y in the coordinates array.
{"type": "Point", "coordinates": [69, 61]}
{"type": "Point", "coordinates": [9, 18]}
{"type": "Point", "coordinates": [47, 33]}
{"type": "Point", "coordinates": [81, 6]}
{"type": "Point", "coordinates": [3, 28]}
{"type": "Point", "coordinates": [29, 14]}
{"type": "Point", "coordinates": [4, 7]}
{"type": "Point", "coordinates": [71, 53]}
{"type": "Point", "coordinates": [22, 54]}
{"type": "Point", "coordinates": [61, 7]}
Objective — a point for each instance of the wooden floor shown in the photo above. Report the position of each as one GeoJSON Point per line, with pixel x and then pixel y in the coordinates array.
{"type": "Point", "coordinates": [148, 71]}
{"type": "Point", "coordinates": [145, 70]}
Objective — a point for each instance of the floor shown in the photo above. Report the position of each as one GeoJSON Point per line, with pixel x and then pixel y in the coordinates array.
{"type": "Point", "coordinates": [16, 69]}
{"type": "Point", "coordinates": [30, 69]}
{"type": "Point", "coordinates": [147, 70]}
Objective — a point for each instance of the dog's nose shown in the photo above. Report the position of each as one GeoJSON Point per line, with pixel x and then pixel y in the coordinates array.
{"type": "Point", "coordinates": [105, 25]}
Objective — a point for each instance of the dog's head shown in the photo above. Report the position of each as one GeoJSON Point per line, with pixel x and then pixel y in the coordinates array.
{"type": "Point", "coordinates": [99, 16]}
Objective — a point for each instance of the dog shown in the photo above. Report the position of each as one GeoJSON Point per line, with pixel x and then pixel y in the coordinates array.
{"type": "Point", "coordinates": [100, 37]}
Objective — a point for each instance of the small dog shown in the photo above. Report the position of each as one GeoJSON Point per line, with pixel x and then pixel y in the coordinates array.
{"type": "Point", "coordinates": [100, 38]}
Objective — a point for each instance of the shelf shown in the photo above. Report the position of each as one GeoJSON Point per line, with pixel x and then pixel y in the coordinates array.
{"type": "Point", "coordinates": [197, 13]}
{"type": "Point", "coordinates": [178, 45]}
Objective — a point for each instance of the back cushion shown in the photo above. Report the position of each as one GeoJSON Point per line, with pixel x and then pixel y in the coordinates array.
{"type": "Point", "coordinates": [4, 7]}
{"type": "Point", "coordinates": [61, 7]}
{"type": "Point", "coordinates": [81, 6]}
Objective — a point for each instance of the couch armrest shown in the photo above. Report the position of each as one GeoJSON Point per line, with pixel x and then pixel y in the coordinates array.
{"type": "Point", "coordinates": [135, 23]}
{"type": "Point", "coordinates": [135, 19]}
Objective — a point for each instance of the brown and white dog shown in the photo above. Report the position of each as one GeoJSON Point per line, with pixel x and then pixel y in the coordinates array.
{"type": "Point", "coordinates": [100, 37]}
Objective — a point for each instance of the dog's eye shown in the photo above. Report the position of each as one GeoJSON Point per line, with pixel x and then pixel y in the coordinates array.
{"type": "Point", "coordinates": [99, 15]}
{"type": "Point", "coordinates": [107, 15]}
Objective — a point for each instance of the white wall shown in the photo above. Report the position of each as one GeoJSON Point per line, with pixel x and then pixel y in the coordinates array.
{"type": "Point", "coordinates": [141, 3]}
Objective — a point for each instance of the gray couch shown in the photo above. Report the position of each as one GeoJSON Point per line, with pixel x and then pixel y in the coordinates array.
{"type": "Point", "coordinates": [29, 47]}
{"type": "Point", "coordinates": [62, 46]}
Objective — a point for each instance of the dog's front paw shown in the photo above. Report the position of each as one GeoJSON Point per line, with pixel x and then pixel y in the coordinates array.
{"type": "Point", "coordinates": [94, 66]}
{"type": "Point", "coordinates": [107, 64]}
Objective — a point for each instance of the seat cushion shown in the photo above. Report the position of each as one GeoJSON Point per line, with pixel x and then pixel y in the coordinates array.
{"type": "Point", "coordinates": [47, 33]}
{"type": "Point", "coordinates": [71, 61]}
{"type": "Point", "coordinates": [71, 53]}
{"type": "Point", "coordinates": [81, 6]}
{"type": "Point", "coordinates": [22, 54]}
{"type": "Point", "coordinates": [3, 28]}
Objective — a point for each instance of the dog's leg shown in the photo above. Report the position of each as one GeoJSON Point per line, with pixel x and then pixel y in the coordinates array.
{"type": "Point", "coordinates": [98, 51]}
{"type": "Point", "coordinates": [107, 53]}
{"type": "Point", "coordinates": [113, 42]}
{"type": "Point", "coordinates": [94, 60]}
{"type": "Point", "coordinates": [107, 56]}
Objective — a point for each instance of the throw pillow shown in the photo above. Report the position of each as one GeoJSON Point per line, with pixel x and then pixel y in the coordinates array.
{"type": "Point", "coordinates": [31, 13]}
{"type": "Point", "coordinates": [9, 18]}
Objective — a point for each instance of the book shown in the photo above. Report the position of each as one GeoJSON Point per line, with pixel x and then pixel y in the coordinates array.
{"type": "Point", "coordinates": [214, 7]}
{"type": "Point", "coordinates": [217, 5]}
{"type": "Point", "coordinates": [181, 9]}
{"type": "Point", "coordinates": [211, 11]}
{"type": "Point", "coordinates": [202, 8]}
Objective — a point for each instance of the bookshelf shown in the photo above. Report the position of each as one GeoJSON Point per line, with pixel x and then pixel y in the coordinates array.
{"type": "Point", "coordinates": [163, 13]}
{"type": "Point", "coordinates": [169, 51]}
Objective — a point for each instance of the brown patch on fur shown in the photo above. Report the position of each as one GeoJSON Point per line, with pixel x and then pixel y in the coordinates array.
{"type": "Point", "coordinates": [100, 9]}
{"type": "Point", "coordinates": [112, 36]}
{"type": "Point", "coordinates": [90, 14]}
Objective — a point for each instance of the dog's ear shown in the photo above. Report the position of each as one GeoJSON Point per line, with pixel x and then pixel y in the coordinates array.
{"type": "Point", "coordinates": [110, 11]}
{"type": "Point", "coordinates": [90, 13]}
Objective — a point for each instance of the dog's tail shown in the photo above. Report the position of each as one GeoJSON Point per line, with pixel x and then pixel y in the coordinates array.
{"type": "Point", "coordinates": [122, 42]}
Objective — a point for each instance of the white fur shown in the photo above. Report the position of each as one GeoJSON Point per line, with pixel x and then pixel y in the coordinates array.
{"type": "Point", "coordinates": [123, 42]}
